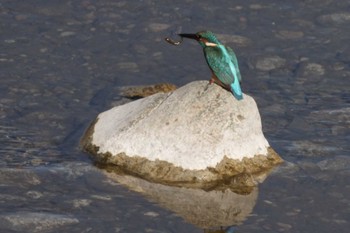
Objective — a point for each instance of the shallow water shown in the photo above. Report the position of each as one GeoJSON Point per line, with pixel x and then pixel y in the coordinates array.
{"type": "Point", "coordinates": [63, 62]}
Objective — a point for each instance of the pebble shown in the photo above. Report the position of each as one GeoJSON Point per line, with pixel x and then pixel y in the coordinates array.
{"type": "Point", "coordinates": [283, 226]}
{"type": "Point", "coordinates": [36, 162]}
{"type": "Point", "coordinates": [311, 149]}
{"type": "Point", "coordinates": [6, 60]}
{"type": "Point", "coordinates": [338, 66]}
{"type": "Point", "coordinates": [21, 17]}
{"type": "Point", "coordinates": [257, 6]}
{"type": "Point", "coordinates": [151, 214]}
{"type": "Point", "coordinates": [335, 18]}
{"type": "Point", "coordinates": [336, 164]}
{"type": "Point", "coordinates": [13, 176]}
{"type": "Point", "coordinates": [303, 23]}
{"type": "Point", "coordinates": [78, 203]}
{"type": "Point", "coordinates": [10, 41]}
{"type": "Point", "coordinates": [294, 212]}
{"type": "Point", "coordinates": [157, 27]}
{"type": "Point", "coordinates": [313, 69]}
{"type": "Point", "coordinates": [67, 33]}
{"type": "Point", "coordinates": [34, 194]}
{"type": "Point", "coordinates": [131, 66]}
{"type": "Point", "coordinates": [102, 197]}
{"type": "Point", "coordinates": [284, 34]}
{"type": "Point", "coordinates": [34, 221]}
{"type": "Point", "coordinates": [270, 63]}
{"type": "Point", "coordinates": [332, 117]}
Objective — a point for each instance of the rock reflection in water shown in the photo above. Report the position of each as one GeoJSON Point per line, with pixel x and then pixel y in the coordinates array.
{"type": "Point", "coordinates": [207, 210]}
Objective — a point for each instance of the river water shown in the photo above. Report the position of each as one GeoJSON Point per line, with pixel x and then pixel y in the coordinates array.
{"type": "Point", "coordinates": [62, 62]}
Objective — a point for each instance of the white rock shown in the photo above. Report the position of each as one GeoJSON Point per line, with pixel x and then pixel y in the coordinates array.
{"type": "Point", "coordinates": [192, 127]}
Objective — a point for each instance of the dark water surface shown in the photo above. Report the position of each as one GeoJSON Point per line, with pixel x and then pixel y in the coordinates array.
{"type": "Point", "coordinates": [62, 62]}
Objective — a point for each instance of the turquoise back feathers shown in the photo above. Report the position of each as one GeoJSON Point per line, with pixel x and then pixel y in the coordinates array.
{"type": "Point", "coordinates": [224, 66]}
{"type": "Point", "coordinates": [221, 60]}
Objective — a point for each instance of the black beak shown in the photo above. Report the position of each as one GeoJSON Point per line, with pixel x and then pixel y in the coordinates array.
{"type": "Point", "coordinates": [191, 36]}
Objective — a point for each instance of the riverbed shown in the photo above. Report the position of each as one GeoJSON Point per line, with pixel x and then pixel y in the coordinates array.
{"type": "Point", "coordinates": [63, 62]}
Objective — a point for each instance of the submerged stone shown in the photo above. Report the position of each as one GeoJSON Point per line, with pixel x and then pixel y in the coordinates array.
{"type": "Point", "coordinates": [268, 63]}
{"type": "Point", "coordinates": [196, 136]}
{"type": "Point", "coordinates": [335, 18]}
{"type": "Point", "coordinates": [34, 221]}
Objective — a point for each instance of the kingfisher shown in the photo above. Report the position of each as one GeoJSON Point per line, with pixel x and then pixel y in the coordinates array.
{"type": "Point", "coordinates": [221, 60]}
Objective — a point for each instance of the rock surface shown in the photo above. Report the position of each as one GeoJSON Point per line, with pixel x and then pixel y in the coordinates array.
{"type": "Point", "coordinates": [196, 136]}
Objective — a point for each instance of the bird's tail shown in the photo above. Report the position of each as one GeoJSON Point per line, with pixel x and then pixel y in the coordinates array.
{"type": "Point", "coordinates": [236, 90]}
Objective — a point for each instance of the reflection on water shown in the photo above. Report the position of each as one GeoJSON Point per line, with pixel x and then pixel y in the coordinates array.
{"type": "Point", "coordinates": [204, 209]}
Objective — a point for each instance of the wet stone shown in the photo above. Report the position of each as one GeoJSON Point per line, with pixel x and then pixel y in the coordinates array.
{"type": "Point", "coordinates": [336, 164]}
{"type": "Point", "coordinates": [270, 63]}
{"type": "Point", "coordinates": [312, 149]}
{"type": "Point", "coordinates": [78, 203]}
{"type": "Point", "coordinates": [34, 194]}
{"type": "Point", "coordinates": [338, 66]}
{"type": "Point", "coordinates": [336, 18]}
{"type": "Point", "coordinates": [21, 17]}
{"type": "Point", "coordinates": [283, 227]}
{"type": "Point", "coordinates": [330, 115]}
{"type": "Point", "coordinates": [67, 33]}
{"type": "Point", "coordinates": [102, 197]}
{"type": "Point", "coordinates": [151, 214]}
{"type": "Point", "coordinates": [11, 198]}
{"type": "Point", "coordinates": [156, 27]}
{"type": "Point", "coordinates": [303, 23]}
{"type": "Point", "coordinates": [312, 69]}
{"type": "Point", "coordinates": [290, 34]}
{"type": "Point", "coordinates": [34, 221]}
{"type": "Point", "coordinates": [131, 66]}
{"type": "Point", "coordinates": [13, 177]}
{"type": "Point", "coordinates": [10, 41]}
{"type": "Point", "coordinates": [257, 6]}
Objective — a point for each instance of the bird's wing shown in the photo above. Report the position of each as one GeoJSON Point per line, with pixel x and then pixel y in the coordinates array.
{"type": "Point", "coordinates": [235, 62]}
{"type": "Point", "coordinates": [220, 63]}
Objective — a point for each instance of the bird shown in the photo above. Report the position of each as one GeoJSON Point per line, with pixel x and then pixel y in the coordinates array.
{"type": "Point", "coordinates": [221, 60]}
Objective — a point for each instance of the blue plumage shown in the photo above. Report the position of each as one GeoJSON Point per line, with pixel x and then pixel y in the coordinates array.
{"type": "Point", "coordinates": [221, 60]}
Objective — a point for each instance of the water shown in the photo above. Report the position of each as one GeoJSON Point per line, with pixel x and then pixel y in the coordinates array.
{"type": "Point", "coordinates": [62, 62]}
